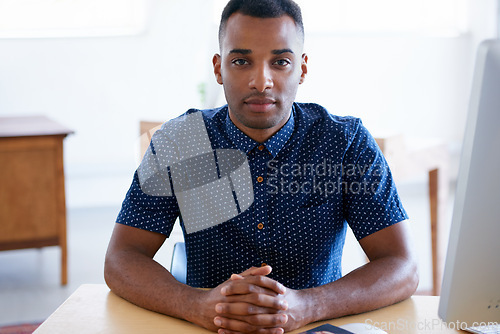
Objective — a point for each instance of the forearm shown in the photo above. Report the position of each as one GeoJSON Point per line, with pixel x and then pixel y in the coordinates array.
{"type": "Point", "coordinates": [379, 283]}
{"type": "Point", "coordinates": [144, 282]}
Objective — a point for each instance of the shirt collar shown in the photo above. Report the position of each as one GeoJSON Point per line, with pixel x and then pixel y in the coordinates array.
{"type": "Point", "coordinates": [273, 144]}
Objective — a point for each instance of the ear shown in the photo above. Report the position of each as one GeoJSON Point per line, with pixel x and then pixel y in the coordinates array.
{"type": "Point", "coordinates": [216, 61]}
{"type": "Point", "coordinates": [304, 68]}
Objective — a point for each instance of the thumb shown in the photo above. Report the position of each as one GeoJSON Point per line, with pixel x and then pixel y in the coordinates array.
{"type": "Point", "coordinates": [256, 271]}
{"type": "Point", "coordinates": [235, 277]}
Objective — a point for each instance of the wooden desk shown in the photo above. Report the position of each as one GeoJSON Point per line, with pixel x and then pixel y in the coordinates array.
{"type": "Point", "coordinates": [94, 309]}
{"type": "Point", "coordinates": [32, 198]}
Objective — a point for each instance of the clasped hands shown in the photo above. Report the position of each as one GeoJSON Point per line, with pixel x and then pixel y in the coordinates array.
{"type": "Point", "coordinates": [251, 302]}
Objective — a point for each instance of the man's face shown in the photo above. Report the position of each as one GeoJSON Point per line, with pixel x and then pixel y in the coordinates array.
{"type": "Point", "coordinates": [261, 66]}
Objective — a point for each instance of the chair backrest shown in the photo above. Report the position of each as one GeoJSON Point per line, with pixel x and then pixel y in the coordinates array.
{"type": "Point", "coordinates": [146, 131]}
{"type": "Point", "coordinates": [178, 267]}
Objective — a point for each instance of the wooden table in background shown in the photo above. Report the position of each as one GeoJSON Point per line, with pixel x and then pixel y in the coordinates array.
{"type": "Point", "coordinates": [409, 158]}
{"type": "Point", "coordinates": [32, 196]}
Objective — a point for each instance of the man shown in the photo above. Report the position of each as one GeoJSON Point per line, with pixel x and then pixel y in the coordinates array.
{"type": "Point", "coordinates": [275, 266]}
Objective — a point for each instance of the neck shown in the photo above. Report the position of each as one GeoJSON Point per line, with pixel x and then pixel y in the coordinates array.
{"type": "Point", "coordinates": [259, 135]}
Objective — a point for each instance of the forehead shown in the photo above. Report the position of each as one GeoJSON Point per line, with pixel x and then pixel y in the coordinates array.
{"type": "Point", "coordinates": [248, 32]}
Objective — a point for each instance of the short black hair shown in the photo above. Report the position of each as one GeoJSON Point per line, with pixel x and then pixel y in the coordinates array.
{"type": "Point", "coordinates": [262, 9]}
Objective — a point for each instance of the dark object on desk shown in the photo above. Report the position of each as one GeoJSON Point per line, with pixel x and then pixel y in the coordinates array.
{"type": "Point", "coordinates": [32, 196]}
{"type": "Point", "coordinates": [20, 329]}
{"type": "Point", "coordinates": [327, 328]}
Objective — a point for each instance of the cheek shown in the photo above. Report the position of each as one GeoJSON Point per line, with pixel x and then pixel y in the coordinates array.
{"type": "Point", "coordinates": [235, 86]}
{"type": "Point", "coordinates": [230, 91]}
{"type": "Point", "coordinates": [291, 86]}
{"type": "Point", "coordinates": [291, 80]}
{"type": "Point", "coordinates": [230, 78]}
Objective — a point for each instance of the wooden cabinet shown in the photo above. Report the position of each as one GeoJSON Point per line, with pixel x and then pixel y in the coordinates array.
{"type": "Point", "coordinates": [32, 195]}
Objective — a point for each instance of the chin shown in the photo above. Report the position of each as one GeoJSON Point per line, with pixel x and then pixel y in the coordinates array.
{"type": "Point", "coordinates": [262, 124]}
{"type": "Point", "coordinates": [258, 120]}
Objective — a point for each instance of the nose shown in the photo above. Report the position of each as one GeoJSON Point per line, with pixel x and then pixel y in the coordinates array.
{"type": "Point", "coordinates": [261, 78]}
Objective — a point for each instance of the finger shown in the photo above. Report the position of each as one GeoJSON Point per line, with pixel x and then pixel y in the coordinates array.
{"type": "Point", "coordinates": [240, 287]}
{"type": "Point", "coordinates": [265, 270]}
{"type": "Point", "coordinates": [233, 326]}
{"type": "Point", "coordinates": [251, 323]}
{"type": "Point", "coordinates": [241, 308]}
{"type": "Point", "coordinates": [271, 303]}
{"type": "Point", "coordinates": [236, 277]}
{"type": "Point", "coordinates": [244, 289]}
{"type": "Point", "coordinates": [253, 284]}
{"type": "Point", "coordinates": [276, 330]}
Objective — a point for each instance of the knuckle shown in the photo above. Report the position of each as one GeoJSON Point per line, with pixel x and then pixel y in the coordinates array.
{"type": "Point", "coordinates": [259, 299]}
{"type": "Point", "coordinates": [227, 288]}
{"type": "Point", "coordinates": [250, 309]}
{"type": "Point", "coordinates": [255, 299]}
{"type": "Point", "coordinates": [222, 308]}
{"type": "Point", "coordinates": [248, 328]}
{"type": "Point", "coordinates": [277, 319]}
{"type": "Point", "coordinates": [253, 320]}
{"type": "Point", "coordinates": [260, 279]}
{"type": "Point", "coordinates": [252, 288]}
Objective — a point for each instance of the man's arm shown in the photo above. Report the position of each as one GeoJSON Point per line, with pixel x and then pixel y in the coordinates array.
{"type": "Point", "coordinates": [389, 277]}
{"type": "Point", "coordinates": [132, 274]}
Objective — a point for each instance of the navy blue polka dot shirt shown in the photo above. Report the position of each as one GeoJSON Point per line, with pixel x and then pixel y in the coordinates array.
{"type": "Point", "coordinates": [316, 175]}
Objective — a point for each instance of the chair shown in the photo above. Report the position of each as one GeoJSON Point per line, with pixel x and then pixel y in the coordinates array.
{"type": "Point", "coordinates": [178, 267]}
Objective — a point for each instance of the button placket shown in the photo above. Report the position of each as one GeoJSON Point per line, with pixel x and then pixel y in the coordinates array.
{"type": "Point", "coordinates": [261, 232]}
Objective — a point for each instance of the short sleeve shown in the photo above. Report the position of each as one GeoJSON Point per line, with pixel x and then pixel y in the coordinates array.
{"type": "Point", "coordinates": [371, 201]}
{"type": "Point", "coordinates": [151, 213]}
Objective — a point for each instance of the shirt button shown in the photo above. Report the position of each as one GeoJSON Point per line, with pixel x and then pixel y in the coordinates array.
{"type": "Point", "coordinates": [261, 147]}
{"type": "Point", "coordinates": [260, 179]}
{"type": "Point", "coordinates": [260, 226]}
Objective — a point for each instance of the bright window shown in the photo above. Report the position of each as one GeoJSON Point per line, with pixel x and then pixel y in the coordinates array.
{"type": "Point", "coordinates": [424, 17]}
{"type": "Point", "coordinates": [70, 18]}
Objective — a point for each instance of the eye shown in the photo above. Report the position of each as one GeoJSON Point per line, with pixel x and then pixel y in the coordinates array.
{"type": "Point", "coordinates": [282, 62]}
{"type": "Point", "coordinates": [240, 62]}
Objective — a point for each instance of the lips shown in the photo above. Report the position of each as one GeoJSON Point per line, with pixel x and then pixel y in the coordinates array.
{"type": "Point", "coordinates": [260, 104]}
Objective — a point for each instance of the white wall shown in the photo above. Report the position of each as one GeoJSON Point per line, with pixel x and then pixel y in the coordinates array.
{"type": "Point", "coordinates": [102, 87]}
{"type": "Point", "coordinates": [397, 84]}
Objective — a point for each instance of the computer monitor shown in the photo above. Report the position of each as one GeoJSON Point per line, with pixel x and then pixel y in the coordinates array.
{"type": "Point", "coordinates": [471, 282]}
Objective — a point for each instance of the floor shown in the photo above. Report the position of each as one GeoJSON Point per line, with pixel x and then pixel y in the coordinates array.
{"type": "Point", "coordinates": [29, 279]}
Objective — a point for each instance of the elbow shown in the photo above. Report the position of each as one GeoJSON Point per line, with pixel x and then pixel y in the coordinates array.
{"type": "Point", "coordinates": [109, 272]}
{"type": "Point", "coordinates": [412, 278]}
{"type": "Point", "coordinates": [108, 277]}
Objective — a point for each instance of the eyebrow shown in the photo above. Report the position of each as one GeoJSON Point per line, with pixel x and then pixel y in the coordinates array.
{"type": "Point", "coordinates": [281, 51]}
{"type": "Point", "coordinates": [241, 51]}
{"type": "Point", "coordinates": [248, 51]}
